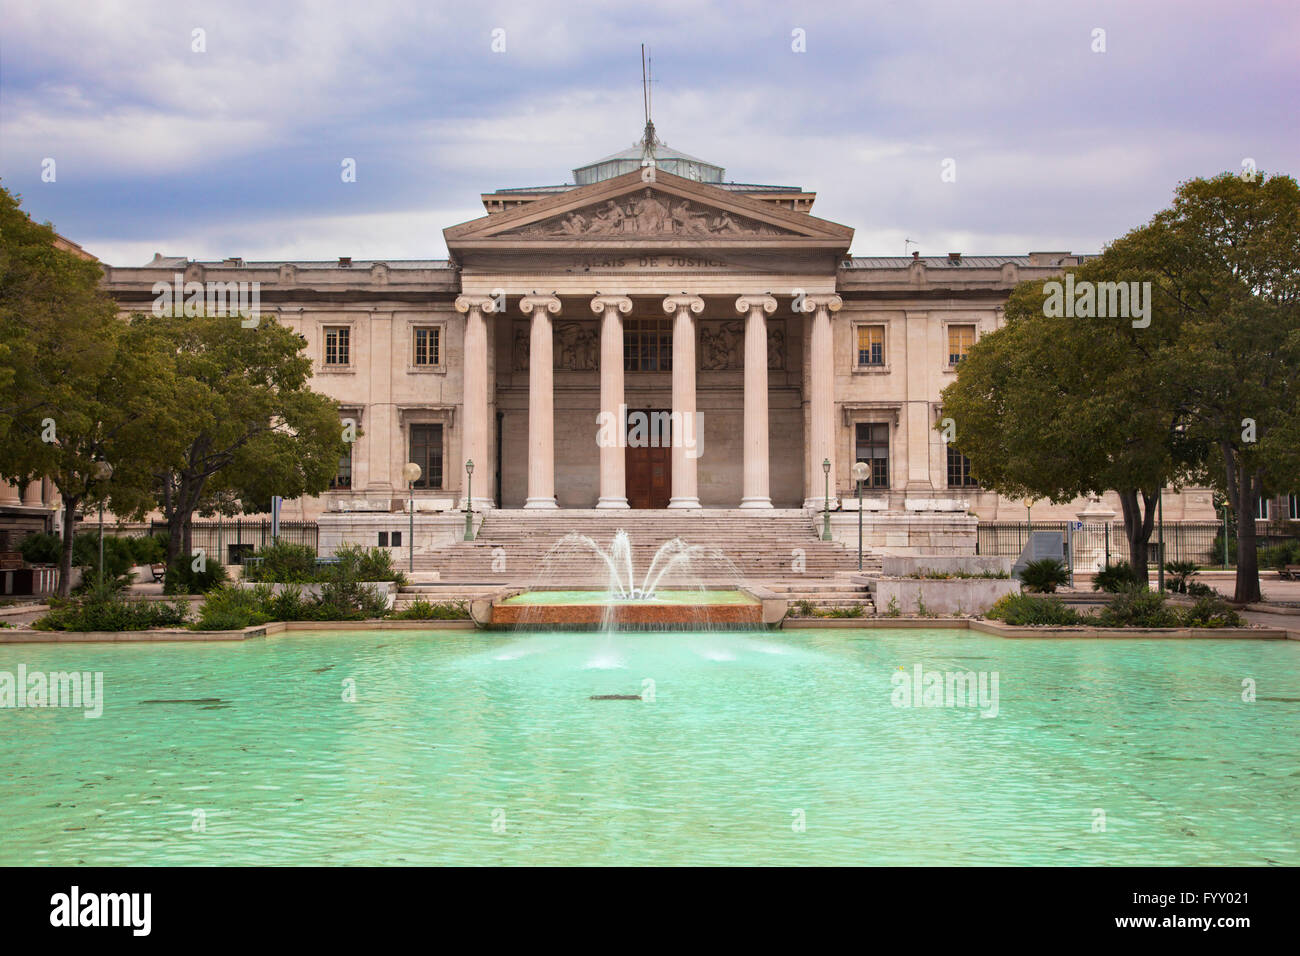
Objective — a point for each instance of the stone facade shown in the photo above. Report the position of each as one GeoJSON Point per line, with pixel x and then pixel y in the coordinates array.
{"type": "Point", "coordinates": [565, 303]}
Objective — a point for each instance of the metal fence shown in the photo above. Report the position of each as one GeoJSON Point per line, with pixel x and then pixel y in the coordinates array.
{"type": "Point", "coordinates": [231, 540]}
{"type": "Point", "coordinates": [1097, 544]}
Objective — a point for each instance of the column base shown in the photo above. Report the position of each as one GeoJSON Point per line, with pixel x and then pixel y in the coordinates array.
{"type": "Point", "coordinates": [684, 503]}
{"type": "Point", "coordinates": [763, 502]}
{"type": "Point", "coordinates": [479, 504]}
{"type": "Point", "coordinates": [543, 503]}
{"type": "Point", "coordinates": [819, 504]}
{"type": "Point", "coordinates": [612, 503]}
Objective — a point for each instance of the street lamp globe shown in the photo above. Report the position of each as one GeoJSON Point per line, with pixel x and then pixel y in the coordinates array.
{"type": "Point", "coordinates": [861, 471]}
{"type": "Point", "coordinates": [411, 472]}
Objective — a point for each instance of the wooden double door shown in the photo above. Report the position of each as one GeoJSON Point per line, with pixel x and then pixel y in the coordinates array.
{"type": "Point", "coordinates": [649, 458]}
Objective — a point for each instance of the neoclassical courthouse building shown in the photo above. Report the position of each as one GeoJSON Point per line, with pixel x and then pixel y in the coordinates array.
{"type": "Point", "coordinates": [726, 312]}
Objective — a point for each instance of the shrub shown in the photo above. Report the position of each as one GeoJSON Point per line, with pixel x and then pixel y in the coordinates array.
{"type": "Point", "coordinates": [181, 578]}
{"type": "Point", "coordinates": [1029, 610]}
{"type": "Point", "coordinates": [1179, 574]}
{"type": "Point", "coordinates": [854, 610]}
{"type": "Point", "coordinates": [1197, 589]}
{"type": "Point", "coordinates": [1139, 608]}
{"type": "Point", "coordinates": [1211, 611]}
{"type": "Point", "coordinates": [366, 564]}
{"type": "Point", "coordinates": [1044, 575]}
{"type": "Point", "coordinates": [42, 548]}
{"type": "Point", "coordinates": [229, 608]}
{"type": "Point", "coordinates": [232, 607]}
{"type": "Point", "coordinates": [103, 610]}
{"type": "Point", "coordinates": [422, 610]}
{"type": "Point", "coordinates": [148, 549]}
{"type": "Point", "coordinates": [1280, 555]}
{"type": "Point", "coordinates": [283, 563]}
{"type": "Point", "coordinates": [1115, 578]}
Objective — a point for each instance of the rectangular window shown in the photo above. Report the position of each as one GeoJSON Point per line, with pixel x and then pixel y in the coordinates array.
{"type": "Point", "coordinates": [960, 339]}
{"type": "Point", "coordinates": [873, 448]}
{"type": "Point", "coordinates": [647, 345]}
{"type": "Point", "coordinates": [959, 470]}
{"type": "Point", "coordinates": [1261, 509]}
{"type": "Point", "coordinates": [871, 345]}
{"type": "Point", "coordinates": [396, 540]}
{"type": "Point", "coordinates": [383, 539]}
{"type": "Point", "coordinates": [338, 345]}
{"type": "Point", "coordinates": [1293, 507]}
{"type": "Point", "coordinates": [343, 478]}
{"type": "Point", "coordinates": [426, 451]}
{"type": "Point", "coordinates": [427, 346]}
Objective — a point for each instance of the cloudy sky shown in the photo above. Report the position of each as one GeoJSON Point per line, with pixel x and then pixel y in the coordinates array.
{"type": "Point", "coordinates": [236, 150]}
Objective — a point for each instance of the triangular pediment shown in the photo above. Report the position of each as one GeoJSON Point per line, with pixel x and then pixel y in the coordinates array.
{"type": "Point", "coordinates": [628, 210]}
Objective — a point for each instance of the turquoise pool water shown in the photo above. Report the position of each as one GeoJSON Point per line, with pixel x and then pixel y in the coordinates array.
{"type": "Point", "coordinates": [783, 748]}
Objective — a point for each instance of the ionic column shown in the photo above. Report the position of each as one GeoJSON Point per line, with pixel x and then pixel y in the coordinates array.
{"type": "Point", "coordinates": [32, 495]}
{"type": "Point", "coordinates": [613, 461]}
{"type": "Point", "coordinates": [755, 491]}
{"type": "Point", "coordinates": [821, 398]}
{"type": "Point", "coordinates": [475, 426]}
{"type": "Point", "coordinates": [687, 430]}
{"type": "Point", "coordinates": [541, 401]}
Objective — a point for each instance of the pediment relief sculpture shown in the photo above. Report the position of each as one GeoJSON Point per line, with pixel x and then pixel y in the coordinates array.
{"type": "Point", "coordinates": [647, 213]}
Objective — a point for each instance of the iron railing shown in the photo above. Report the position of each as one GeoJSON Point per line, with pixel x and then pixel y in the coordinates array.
{"type": "Point", "coordinates": [1101, 543]}
{"type": "Point", "coordinates": [231, 540]}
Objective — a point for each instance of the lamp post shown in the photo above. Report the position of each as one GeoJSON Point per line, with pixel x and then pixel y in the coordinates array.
{"type": "Point", "coordinates": [103, 472]}
{"type": "Point", "coordinates": [1160, 519]}
{"type": "Point", "coordinates": [411, 472]}
{"type": "Point", "coordinates": [1225, 534]}
{"type": "Point", "coordinates": [826, 523]}
{"type": "Point", "coordinates": [469, 499]}
{"type": "Point", "coordinates": [861, 473]}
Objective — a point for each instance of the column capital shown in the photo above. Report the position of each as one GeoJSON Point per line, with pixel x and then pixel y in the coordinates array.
{"type": "Point", "coordinates": [679, 303]}
{"type": "Point", "coordinates": [812, 303]}
{"type": "Point", "coordinates": [546, 303]}
{"type": "Point", "coordinates": [748, 303]}
{"type": "Point", "coordinates": [603, 303]}
{"type": "Point", "coordinates": [480, 303]}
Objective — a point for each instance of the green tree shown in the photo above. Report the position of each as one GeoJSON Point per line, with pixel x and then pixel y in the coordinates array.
{"type": "Point", "coordinates": [1055, 406]}
{"type": "Point", "coordinates": [242, 423]}
{"type": "Point", "coordinates": [1059, 406]}
{"type": "Point", "coordinates": [1225, 258]}
{"type": "Point", "coordinates": [74, 384]}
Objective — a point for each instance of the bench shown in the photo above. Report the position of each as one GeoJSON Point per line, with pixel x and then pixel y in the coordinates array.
{"type": "Point", "coordinates": [1291, 572]}
{"type": "Point", "coordinates": [158, 571]}
{"type": "Point", "coordinates": [326, 561]}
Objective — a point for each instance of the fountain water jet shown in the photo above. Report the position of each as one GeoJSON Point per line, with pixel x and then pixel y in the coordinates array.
{"type": "Point", "coordinates": [582, 584]}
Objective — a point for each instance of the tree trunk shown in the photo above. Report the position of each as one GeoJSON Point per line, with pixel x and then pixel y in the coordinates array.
{"type": "Point", "coordinates": [1247, 589]}
{"type": "Point", "coordinates": [1243, 495]}
{"type": "Point", "coordinates": [1139, 520]}
{"type": "Point", "coordinates": [69, 534]}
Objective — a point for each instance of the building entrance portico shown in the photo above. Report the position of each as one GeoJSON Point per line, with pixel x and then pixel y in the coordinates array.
{"type": "Point", "coordinates": [651, 291]}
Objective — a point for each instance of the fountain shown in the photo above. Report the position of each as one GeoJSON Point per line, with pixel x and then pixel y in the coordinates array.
{"type": "Point", "coordinates": [582, 585]}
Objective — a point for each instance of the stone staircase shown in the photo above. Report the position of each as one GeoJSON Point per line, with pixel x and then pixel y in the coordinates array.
{"type": "Point", "coordinates": [828, 594]}
{"type": "Point", "coordinates": [768, 546]}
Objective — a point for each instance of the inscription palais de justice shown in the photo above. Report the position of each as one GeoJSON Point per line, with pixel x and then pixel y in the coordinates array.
{"type": "Point", "coordinates": [657, 261]}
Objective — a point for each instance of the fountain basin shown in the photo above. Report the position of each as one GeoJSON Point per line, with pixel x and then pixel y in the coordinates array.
{"type": "Point", "coordinates": [596, 610]}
